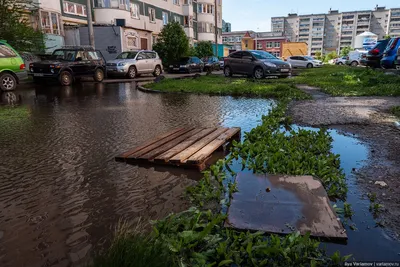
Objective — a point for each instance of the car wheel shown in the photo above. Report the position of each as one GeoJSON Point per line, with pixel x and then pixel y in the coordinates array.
{"type": "Point", "coordinates": [7, 82]}
{"type": "Point", "coordinates": [66, 78]}
{"type": "Point", "coordinates": [340, 63]}
{"type": "Point", "coordinates": [258, 73]}
{"type": "Point", "coordinates": [98, 75]}
{"type": "Point", "coordinates": [157, 71]}
{"type": "Point", "coordinates": [309, 66]}
{"type": "Point", "coordinates": [228, 72]}
{"type": "Point", "coordinates": [132, 73]}
{"type": "Point", "coordinates": [354, 64]}
{"type": "Point", "coordinates": [9, 97]}
{"type": "Point", "coordinates": [189, 70]}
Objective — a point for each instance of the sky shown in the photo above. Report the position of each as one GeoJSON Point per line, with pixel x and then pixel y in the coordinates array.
{"type": "Point", "coordinates": [256, 14]}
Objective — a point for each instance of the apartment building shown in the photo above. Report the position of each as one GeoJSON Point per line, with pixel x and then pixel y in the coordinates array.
{"type": "Point", "coordinates": [334, 30]}
{"type": "Point", "coordinates": [140, 21]}
{"type": "Point", "coordinates": [226, 26]}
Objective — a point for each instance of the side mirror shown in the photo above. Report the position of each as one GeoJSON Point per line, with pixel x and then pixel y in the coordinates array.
{"type": "Point", "coordinates": [139, 58]}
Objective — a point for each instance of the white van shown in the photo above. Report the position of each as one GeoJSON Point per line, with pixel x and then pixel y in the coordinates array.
{"type": "Point", "coordinates": [354, 57]}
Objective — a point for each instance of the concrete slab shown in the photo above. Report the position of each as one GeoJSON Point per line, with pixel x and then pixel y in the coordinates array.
{"type": "Point", "coordinates": [283, 204]}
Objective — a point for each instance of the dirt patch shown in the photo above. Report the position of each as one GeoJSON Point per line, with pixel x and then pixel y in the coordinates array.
{"type": "Point", "coordinates": [369, 120]}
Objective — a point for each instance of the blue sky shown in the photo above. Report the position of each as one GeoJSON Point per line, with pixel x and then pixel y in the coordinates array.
{"type": "Point", "coordinates": [253, 14]}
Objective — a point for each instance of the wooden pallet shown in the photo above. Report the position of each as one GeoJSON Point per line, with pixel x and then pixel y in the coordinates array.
{"type": "Point", "coordinates": [185, 147]}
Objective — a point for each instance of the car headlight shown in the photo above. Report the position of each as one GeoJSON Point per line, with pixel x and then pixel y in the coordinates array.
{"type": "Point", "coordinates": [171, 66]}
{"type": "Point", "coordinates": [121, 64]}
{"type": "Point", "coordinates": [269, 64]}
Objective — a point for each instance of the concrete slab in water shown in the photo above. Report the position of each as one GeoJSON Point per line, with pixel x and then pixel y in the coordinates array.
{"type": "Point", "coordinates": [283, 204]}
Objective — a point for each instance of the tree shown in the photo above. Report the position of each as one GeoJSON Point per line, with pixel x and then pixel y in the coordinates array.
{"type": "Point", "coordinates": [172, 43]}
{"type": "Point", "coordinates": [330, 56]}
{"type": "Point", "coordinates": [204, 49]}
{"type": "Point", "coordinates": [387, 36]}
{"type": "Point", "coordinates": [345, 51]}
{"type": "Point", "coordinates": [15, 25]}
{"type": "Point", "coordinates": [318, 55]}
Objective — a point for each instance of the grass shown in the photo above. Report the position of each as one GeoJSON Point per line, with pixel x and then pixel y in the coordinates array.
{"type": "Point", "coordinates": [395, 111]}
{"type": "Point", "coordinates": [347, 81]}
{"type": "Point", "coordinates": [218, 85]}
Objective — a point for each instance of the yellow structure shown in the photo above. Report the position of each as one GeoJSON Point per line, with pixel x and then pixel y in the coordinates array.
{"type": "Point", "coordinates": [247, 42]}
{"type": "Point", "coordinates": [294, 49]}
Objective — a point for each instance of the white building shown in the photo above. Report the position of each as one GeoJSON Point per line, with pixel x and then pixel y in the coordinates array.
{"type": "Point", "coordinates": [333, 31]}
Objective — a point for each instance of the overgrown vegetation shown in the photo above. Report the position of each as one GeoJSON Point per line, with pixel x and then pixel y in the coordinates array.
{"type": "Point", "coordinates": [395, 111]}
{"type": "Point", "coordinates": [197, 236]}
{"type": "Point", "coordinates": [203, 49]}
{"type": "Point", "coordinates": [218, 85]}
{"type": "Point", "coordinates": [346, 81]}
{"type": "Point", "coordinates": [16, 26]}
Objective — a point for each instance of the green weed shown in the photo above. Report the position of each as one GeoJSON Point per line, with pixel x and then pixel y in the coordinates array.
{"type": "Point", "coordinates": [395, 111]}
{"type": "Point", "coordinates": [348, 212]}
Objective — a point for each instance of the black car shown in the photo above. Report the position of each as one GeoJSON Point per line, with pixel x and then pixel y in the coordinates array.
{"type": "Point", "coordinates": [67, 64]}
{"type": "Point", "coordinates": [211, 63]}
{"type": "Point", "coordinates": [187, 64]}
{"type": "Point", "coordinates": [257, 64]}
{"type": "Point", "coordinates": [374, 56]}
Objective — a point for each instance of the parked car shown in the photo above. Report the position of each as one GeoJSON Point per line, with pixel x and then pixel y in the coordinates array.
{"type": "Point", "coordinates": [397, 61]}
{"type": "Point", "coordinates": [211, 63]}
{"type": "Point", "coordinates": [374, 56]}
{"type": "Point", "coordinates": [133, 63]}
{"type": "Point", "coordinates": [12, 67]}
{"type": "Point", "coordinates": [187, 64]}
{"type": "Point", "coordinates": [221, 62]}
{"type": "Point", "coordinates": [68, 64]}
{"type": "Point", "coordinates": [304, 62]}
{"type": "Point", "coordinates": [255, 63]}
{"type": "Point", "coordinates": [389, 55]}
{"type": "Point", "coordinates": [341, 60]}
{"type": "Point", "coordinates": [354, 57]}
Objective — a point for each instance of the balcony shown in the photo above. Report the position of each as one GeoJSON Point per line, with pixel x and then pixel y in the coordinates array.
{"type": "Point", "coordinates": [363, 22]}
{"type": "Point", "coordinates": [395, 14]}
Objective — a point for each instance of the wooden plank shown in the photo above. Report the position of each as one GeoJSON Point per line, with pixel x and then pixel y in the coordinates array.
{"type": "Point", "coordinates": [182, 146]}
{"type": "Point", "coordinates": [161, 149]}
{"type": "Point", "coordinates": [157, 144]}
{"type": "Point", "coordinates": [182, 156]}
{"type": "Point", "coordinates": [206, 151]}
{"type": "Point", "coordinates": [123, 156]}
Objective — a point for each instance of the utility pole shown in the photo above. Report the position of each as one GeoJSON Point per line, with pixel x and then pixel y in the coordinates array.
{"type": "Point", "coordinates": [216, 28]}
{"type": "Point", "coordinates": [90, 23]}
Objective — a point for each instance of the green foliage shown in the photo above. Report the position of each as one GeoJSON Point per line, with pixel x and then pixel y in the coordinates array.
{"type": "Point", "coordinates": [330, 56]}
{"type": "Point", "coordinates": [318, 55]}
{"type": "Point", "coordinates": [395, 111]}
{"type": "Point", "coordinates": [345, 51]}
{"type": "Point", "coordinates": [218, 85]}
{"type": "Point", "coordinates": [342, 81]}
{"type": "Point", "coordinates": [15, 25]}
{"type": "Point", "coordinates": [204, 49]}
{"type": "Point", "coordinates": [348, 212]}
{"type": "Point", "coordinates": [172, 43]}
{"type": "Point", "coordinates": [387, 36]}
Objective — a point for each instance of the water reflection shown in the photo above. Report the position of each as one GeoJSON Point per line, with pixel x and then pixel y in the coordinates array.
{"type": "Point", "coordinates": [61, 193]}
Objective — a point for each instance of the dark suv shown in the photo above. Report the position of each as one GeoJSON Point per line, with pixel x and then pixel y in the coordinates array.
{"type": "Point", "coordinates": [67, 64]}
{"type": "Point", "coordinates": [255, 63]}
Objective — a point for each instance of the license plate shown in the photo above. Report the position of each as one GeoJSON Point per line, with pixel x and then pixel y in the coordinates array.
{"type": "Point", "coordinates": [112, 69]}
{"type": "Point", "coordinates": [284, 70]}
{"type": "Point", "coordinates": [38, 74]}
{"type": "Point", "coordinates": [176, 68]}
{"type": "Point", "coordinates": [183, 66]}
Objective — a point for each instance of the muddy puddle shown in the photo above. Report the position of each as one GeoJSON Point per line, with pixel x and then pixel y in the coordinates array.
{"type": "Point", "coordinates": [61, 193]}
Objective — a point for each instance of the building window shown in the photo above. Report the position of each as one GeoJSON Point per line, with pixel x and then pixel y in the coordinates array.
{"type": "Point", "coordinates": [135, 11]}
{"type": "Point", "coordinates": [152, 14]}
{"type": "Point", "coordinates": [121, 4]}
{"type": "Point", "coordinates": [205, 27]}
{"type": "Point", "coordinates": [177, 19]}
{"type": "Point", "coordinates": [165, 18]}
{"type": "Point", "coordinates": [131, 41]}
{"type": "Point", "coordinates": [269, 44]}
{"type": "Point", "coordinates": [188, 21]}
{"type": "Point", "coordinates": [187, 2]}
{"type": "Point", "coordinates": [205, 8]}
{"type": "Point", "coordinates": [50, 22]}
{"type": "Point", "coordinates": [74, 9]}
{"type": "Point", "coordinates": [259, 45]}
{"type": "Point", "coordinates": [176, 2]}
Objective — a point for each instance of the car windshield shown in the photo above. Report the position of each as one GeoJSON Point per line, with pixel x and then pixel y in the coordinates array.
{"type": "Point", "coordinates": [184, 60]}
{"type": "Point", "coordinates": [262, 55]}
{"type": "Point", "coordinates": [207, 59]}
{"type": "Point", "coordinates": [127, 55]}
{"type": "Point", "coordinates": [65, 55]}
{"type": "Point", "coordinates": [309, 58]}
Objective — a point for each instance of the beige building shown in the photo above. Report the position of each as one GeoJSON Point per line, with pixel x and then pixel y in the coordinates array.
{"type": "Point", "coordinates": [334, 30]}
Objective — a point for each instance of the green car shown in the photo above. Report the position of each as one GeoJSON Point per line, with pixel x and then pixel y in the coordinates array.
{"type": "Point", "coordinates": [12, 67]}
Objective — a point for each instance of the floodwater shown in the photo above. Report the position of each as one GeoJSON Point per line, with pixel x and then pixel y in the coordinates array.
{"type": "Point", "coordinates": [61, 192]}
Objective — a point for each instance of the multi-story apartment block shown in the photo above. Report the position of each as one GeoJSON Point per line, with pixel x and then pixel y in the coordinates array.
{"type": "Point", "coordinates": [334, 30]}
{"type": "Point", "coordinates": [140, 21]}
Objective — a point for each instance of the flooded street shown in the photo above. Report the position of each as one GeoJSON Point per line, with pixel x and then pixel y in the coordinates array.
{"type": "Point", "coordinates": [62, 194]}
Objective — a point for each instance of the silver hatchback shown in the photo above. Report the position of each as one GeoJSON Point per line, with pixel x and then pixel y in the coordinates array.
{"type": "Point", "coordinates": [133, 63]}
